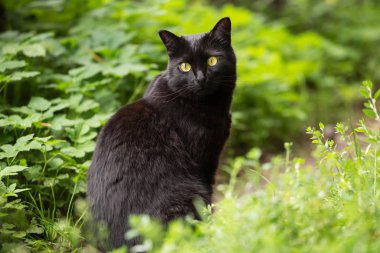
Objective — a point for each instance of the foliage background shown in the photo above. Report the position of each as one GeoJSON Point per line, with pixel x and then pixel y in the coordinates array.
{"type": "Point", "coordinates": [66, 66]}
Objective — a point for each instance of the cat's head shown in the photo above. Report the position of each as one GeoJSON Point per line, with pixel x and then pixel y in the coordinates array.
{"type": "Point", "coordinates": [201, 64]}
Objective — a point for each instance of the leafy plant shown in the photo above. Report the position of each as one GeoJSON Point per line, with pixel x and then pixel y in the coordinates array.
{"type": "Point", "coordinates": [329, 205]}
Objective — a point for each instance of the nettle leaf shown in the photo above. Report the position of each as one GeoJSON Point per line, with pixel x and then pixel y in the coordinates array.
{"type": "Point", "coordinates": [73, 152]}
{"type": "Point", "coordinates": [18, 122]}
{"type": "Point", "coordinates": [118, 71]}
{"type": "Point", "coordinates": [9, 151]}
{"type": "Point", "coordinates": [34, 173]}
{"type": "Point", "coordinates": [86, 147]}
{"type": "Point", "coordinates": [24, 143]}
{"type": "Point", "coordinates": [40, 37]}
{"type": "Point", "coordinates": [87, 137]}
{"type": "Point", "coordinates": [23, 140]}
{"type": "Point", "coordinates": [30, 120]}
{"type": "Point", "coordinates": [43, 139]}
{"type": "Point", "coordinates": [39, 104]}
{"type": "Point", "coordinates": [17, 76]}
{"type": "Point", "coordinates": [11, 48]}
{"type": "Point", "coordinates": [34, 50]}
{"type": "Point", "coordinates": [56, 163]}
{"type": "Point", "coordinates": [97, 120]}
{"type": "Point", "coordinates": [87, 105]}
{"type": "Point", "coordinates": [79, 130]}
{"type": "Point", "coordinates": [12, 192]}
{"type": "Point", "coordinates": [124, 69]}
{"type": "Point", "coordinates": [12, 187]}
{"type": "Point", "coordinates": [23, 109]}
{"type": "Point", "coordinates": [49, 181]}
{"type": "Point", "coordinates": [63, 176]}
{"type": "Point", "coordinates": [54, 142]}
{"type": "Point", "coordinates": [86, 72]}
{"type": "Point", "coordinates": [50, 113]}
{"type": "Point", "coordinates": [74, 100]}
{"type": "Point", "coordinates": [32, 145]}
{"type": "Point", "coordinates": [11, 171]}
{"type": "Point", "coordinates": [11, 65]}
{"type": "Point", "coordinates": [60, 121]}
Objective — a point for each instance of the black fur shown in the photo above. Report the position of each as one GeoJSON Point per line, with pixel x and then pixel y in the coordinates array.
{"type": "Point", "coordinates": [156, 155]}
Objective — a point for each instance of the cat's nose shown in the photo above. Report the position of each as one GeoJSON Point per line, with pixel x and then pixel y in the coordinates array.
{"type": "Point", "coordinates": [200, 77]}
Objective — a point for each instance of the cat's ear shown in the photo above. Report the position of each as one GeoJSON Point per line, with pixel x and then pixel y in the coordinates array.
{"type": "Point", "coordinates": [170, 40]}
{"type": "Point", "coordinates": [222, 31]}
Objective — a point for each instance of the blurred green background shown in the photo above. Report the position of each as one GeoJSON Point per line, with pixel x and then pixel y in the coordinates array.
{"type": "Point", "coordinates": [297, 59]}
{"type": "Point", "coordinates": [66, 66]}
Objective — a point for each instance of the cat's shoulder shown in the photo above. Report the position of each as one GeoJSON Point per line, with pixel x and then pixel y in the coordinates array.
{"type": "Point", "coordinates": [152, 86]}
{"type": "Point", "coordinates": [137, 111]}
{"type": "Point", "coordinates": [132, 116]}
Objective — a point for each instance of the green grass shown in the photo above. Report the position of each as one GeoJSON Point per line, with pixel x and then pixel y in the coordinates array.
{"type": "Point", "coordinates": [285, 205]}
{"type": "Point", "coordinates": [330, 205]}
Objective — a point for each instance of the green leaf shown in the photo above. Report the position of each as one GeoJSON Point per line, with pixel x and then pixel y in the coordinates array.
{"type": "Point", "coordinates": [32, 145]}
{"type": "Point", "coordinates": [87, 105]}
{"type": "Point", "coordinates": [11, 65]}
{"type": "Point", "coordinates": [86, 72]}
{"type": "Point", "coordinates": [39, 104]}
{"type": "Point", "coordinates": [377, 94]}
{"type": "Point", "coordinates": [34, 173]}
{"type": "Point", "coordinates": [17, 76]}
{"type": "Point", "coordinates": [87, 137]}
{"type": "Point", "coordinates": [18, 122]}
{"type": "Point", "coordinates": [11, 48]}
{"type": "Point", "coordinates": [9, 151]}
{"type": "Point", "coordinates": [34, 228]}
{"type": "Point", "coordinates": [368, 84]}
{"type": "Point", "coordinates": [73, 152]}
{"type": "Point", "coordinates": [3, 188]}
{"type": "Point", "coordinates": [23, 140]}
{"type": "Point", "coordinates": [34, 50]}
{"type": "Point", "coordinates": [43, 139]}
{"type": "Point", "coordinates": [86, 147]}
{"type": "Point", "coordinates": [11, 170]}
{"type": "Point", "coordinates": [369, 113]}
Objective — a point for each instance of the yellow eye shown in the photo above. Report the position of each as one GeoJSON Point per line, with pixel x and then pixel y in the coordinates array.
{"type": "Point", "coordinates": [212, 61]}
{"type": "Point", "coordinates": [185, 67]}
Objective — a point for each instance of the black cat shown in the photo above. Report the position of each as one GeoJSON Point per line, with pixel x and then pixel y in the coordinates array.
{"type": "Point", "coordinates": [156, 155]}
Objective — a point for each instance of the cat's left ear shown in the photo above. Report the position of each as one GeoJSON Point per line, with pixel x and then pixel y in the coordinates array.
{"type": "Point", "coordinates": [222, 31]}
{"type": "Point", "coordinates": [170, 40]}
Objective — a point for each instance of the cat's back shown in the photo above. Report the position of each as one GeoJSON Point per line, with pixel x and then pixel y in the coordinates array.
{"type": "Point", "coordinates": [126, 133]}
{"type": "Point", "coordinates": [134, 118]}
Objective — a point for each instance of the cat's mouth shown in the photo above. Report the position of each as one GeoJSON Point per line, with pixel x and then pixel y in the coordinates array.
{"type": "Point", "coordinates": [201, 90]}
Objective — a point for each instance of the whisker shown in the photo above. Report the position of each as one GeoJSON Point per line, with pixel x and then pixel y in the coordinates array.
{"type": "Point", "coordinates": [167, 95]}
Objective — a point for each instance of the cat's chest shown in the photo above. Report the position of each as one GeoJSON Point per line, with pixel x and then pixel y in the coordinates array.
{"type": "Point", "coordinates": [200, 130]}
{"type": "Point", "coordinates": [200, 134]}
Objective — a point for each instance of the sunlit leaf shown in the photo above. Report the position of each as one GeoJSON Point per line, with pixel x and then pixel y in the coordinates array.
{"type": "Point", "coordinates": [34, 50]}
{"type": "Point", "coordinates": [20, 75]}
{"type": "Point", "coordinates": [11, 65]}
{"type": "Point", "coordinates": [39, 104]}
{"type": "Point", "coordinates": [11, 171]}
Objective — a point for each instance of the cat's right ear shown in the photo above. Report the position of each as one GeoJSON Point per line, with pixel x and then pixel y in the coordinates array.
{"type": "Point", "coordinates": [170, 40]}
